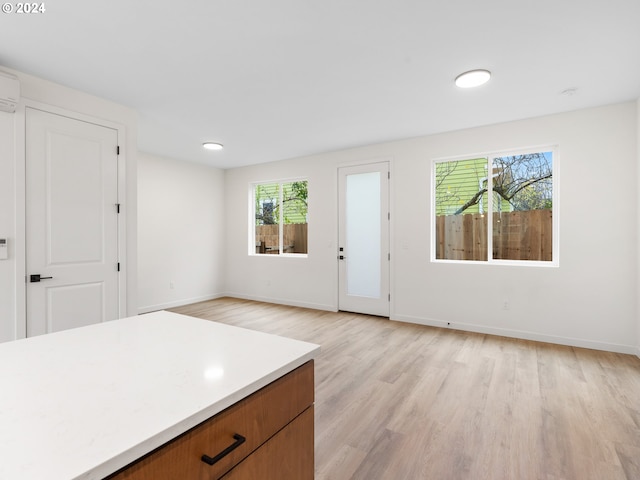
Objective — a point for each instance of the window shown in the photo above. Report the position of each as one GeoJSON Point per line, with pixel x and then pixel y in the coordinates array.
{"type": "Point", "coordinates": [515, 190]}
{"type": "Point", "coordinates": [279, 218]}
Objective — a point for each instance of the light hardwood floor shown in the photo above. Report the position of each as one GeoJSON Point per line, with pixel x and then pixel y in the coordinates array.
{"type": "Point", "coordinates": [401, 401]}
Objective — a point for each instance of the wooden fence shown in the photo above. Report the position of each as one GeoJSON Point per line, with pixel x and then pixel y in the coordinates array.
{"type": "Point", "coordinates": [294, 238]}
{"type": "Point", "coordinates": [525, 235]}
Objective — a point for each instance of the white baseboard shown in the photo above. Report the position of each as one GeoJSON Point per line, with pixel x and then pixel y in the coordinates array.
{"type": "Point", "coordinates": [503, 332]}
{"type": "Point", "coordinates": [522, 334]}
{"type": "Point", "coordinates": [283, 301]}
{"type": "Point", "coordinates": [178, 303]}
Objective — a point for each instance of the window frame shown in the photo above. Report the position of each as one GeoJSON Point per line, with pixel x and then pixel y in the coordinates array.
{"type": "Point", "coordinates": [252, 219]}
{"type": "Point", "coordinates": [489, 155]}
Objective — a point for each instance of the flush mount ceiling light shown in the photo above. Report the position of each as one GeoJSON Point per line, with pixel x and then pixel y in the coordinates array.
{"type": "Point", "coordinates": [473, 78]}
{"type": "Point", "coordinates": [212, 146]}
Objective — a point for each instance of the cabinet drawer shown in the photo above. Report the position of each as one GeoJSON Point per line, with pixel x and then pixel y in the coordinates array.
{"type": "Point", "coordinates": [256, 418]}
{"type": "Point", "coordinates": [286, 456]}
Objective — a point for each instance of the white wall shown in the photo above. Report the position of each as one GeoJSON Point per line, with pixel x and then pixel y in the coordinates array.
{"type": "Point", "coordinates": [181, 209]}
{"type": "Point", "coordinates": [589, 300]}
{"type": "Point", "coordinates": [309, 281]}
{"type": "Point", "coordinates": [638, 237]}
{"type": "Point", "coordinates": [45, 93]}
{"type": "Point", "coordinates": [7, 226]}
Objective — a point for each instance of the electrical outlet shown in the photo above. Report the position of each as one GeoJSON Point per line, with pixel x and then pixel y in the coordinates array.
{"type": "Point", "coordinates": [505, 305]}
{"type": "Point", "coordinates": [171, 285]}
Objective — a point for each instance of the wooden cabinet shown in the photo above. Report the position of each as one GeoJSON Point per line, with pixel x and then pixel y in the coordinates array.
{"type": "Point", "coordinates": [268, 435]}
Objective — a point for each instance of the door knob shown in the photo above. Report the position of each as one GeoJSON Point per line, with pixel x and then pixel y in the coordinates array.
{"type": "Point", "coordinates": [35, 278]}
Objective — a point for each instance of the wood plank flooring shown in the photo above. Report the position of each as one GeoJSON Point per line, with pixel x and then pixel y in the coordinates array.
{"type": "Point", "coordinates": [400, 401]}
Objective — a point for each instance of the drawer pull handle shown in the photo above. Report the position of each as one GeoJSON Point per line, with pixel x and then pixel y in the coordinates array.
{"type": "Point", "coordinates": [239, 440]}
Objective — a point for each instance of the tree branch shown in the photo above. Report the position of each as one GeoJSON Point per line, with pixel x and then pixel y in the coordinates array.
{"type": "Point", "coordinates": [524, 185]}
{"type": "Point", "coordinates": [290, 199]}
{"type": "Point", "coordinates": [471, 202]}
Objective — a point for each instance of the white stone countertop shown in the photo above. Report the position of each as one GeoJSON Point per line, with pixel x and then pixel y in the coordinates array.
{"type": "Point", "coordinates": [83, 403]}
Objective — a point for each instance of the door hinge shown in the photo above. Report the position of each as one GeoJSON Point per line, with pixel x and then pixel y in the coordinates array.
{"type": "Point", "coordinates": [389, 256]}
{"type": "Point", "coordinates": [118, 150]}
{"type": "Point", "coordinates": [118, 266]}
{"type": "Point", "coordinates": [388, 215]}
{"type": "Point", "coordinates": [389, 175]}
{"type": "Point", "coordinates": [389, 297]}
{"type": "Point", "coordinates": [117, 208]}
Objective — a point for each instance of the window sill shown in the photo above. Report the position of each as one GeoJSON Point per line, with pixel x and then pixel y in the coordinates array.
{"type": "Point", "coordinates": [504, 263]}
{"type": "Point", "coordinates": [280, 255]}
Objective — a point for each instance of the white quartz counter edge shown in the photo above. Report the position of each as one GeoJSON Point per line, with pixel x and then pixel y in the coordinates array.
{"type": "Point", "coordinates": [83, 403]}
{"type": "Point", "coordinates": [183, 426]}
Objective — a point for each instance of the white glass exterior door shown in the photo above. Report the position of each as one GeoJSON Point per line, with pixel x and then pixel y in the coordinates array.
{"type": "Point", "coordinates": [363, 250]}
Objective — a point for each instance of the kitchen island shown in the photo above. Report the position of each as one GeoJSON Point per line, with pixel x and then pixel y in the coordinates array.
{"type": "Point", "coordinates": [125, 398]}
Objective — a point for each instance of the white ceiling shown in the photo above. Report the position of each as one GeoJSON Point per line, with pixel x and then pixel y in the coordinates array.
{"type": "Point", "coordinates": [285, 78]}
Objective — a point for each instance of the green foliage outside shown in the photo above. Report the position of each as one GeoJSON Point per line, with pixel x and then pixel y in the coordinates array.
{"type": "Point", "coordinates": [294, 202]}
{"type": "Point", "coordinates": [459, 181]}
{"type": "Point", "coordinates": [520, 183]}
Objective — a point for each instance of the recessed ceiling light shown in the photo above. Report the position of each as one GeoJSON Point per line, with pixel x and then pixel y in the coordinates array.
{"type": "Point", "coordinates": [212, 146]}
{"type": "Point", "coordinates": [473, 78]}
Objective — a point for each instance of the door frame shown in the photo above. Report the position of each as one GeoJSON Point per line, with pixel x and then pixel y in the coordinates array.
{"type": "Point", "coordinates": [356, 163]}
{"type": "Point", "coordinates": [21, 206]}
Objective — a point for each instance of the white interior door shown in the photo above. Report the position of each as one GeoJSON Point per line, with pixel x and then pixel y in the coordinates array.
{"type": "Point", "coordinates": [72, 225]}
{"type": "Point", "coordinates": [363, 249]}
